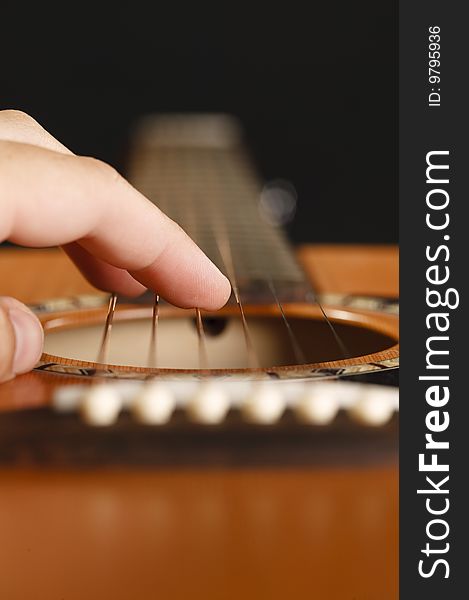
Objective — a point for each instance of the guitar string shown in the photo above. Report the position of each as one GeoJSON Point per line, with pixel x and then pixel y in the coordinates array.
{"type": "Point", "coordinates": [293, 340]}
{"type": "Point", "coordinates": [298, 352]}
{"type": "Point", "coordinates": [227, 258]}
{"type": "Point", "coordinates": [104, 347]}
{"type": "Point", "coordinates": [342, 347]}
{"type": "Point", "coordinates": [155, 317]}
{"type": "Point", "coordinates": [203, 356]}
{"type": "Point", "coordinates": [295, 344]}
{"type": "Point", "coordinates": [224, 249]}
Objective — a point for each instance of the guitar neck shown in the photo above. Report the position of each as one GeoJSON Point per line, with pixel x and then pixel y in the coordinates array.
{"type": "Point", "coordinates": [195, 169]}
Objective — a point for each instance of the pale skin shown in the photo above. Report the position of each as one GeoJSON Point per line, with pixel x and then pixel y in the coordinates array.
{"type": "Point", "coordinates": [118, 239]}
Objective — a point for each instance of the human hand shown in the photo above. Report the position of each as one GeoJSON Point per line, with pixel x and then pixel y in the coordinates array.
{"type": "Point", "coordinates": [119, 240]}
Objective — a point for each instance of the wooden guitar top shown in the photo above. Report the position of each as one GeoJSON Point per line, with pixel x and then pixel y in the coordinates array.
{"type": "Point", "coordinates": [318, 532]}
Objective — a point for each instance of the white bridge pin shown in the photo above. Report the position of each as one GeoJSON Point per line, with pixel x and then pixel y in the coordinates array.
{"type": "Point", "coordinates": [375, 406]}
{"type": "Point", "coordinates": [209, 405]}
{"type": "Point", "coordinates": [100, 405]}
{"type": "Point", "coordinates": [265, 404]}
{"type": "Point", "coordinates": [318, 404]}
{"type": "Point", "coordinates": [154, 404]}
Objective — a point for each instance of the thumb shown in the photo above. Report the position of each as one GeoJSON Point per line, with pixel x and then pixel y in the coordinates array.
{"type": "Point", "coordinates": [21, 338]}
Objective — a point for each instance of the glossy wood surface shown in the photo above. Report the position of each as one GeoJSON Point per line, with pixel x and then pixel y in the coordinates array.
{"type": "Point", "coordinates": [322, 532]}
{"type": "Point", "coordinates": [35, 275]}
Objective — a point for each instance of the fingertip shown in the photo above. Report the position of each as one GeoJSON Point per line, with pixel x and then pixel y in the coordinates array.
{"type": "Point", "coordinates": [220, 293]}
{"type": "Point", "coordinates": [187, 282]}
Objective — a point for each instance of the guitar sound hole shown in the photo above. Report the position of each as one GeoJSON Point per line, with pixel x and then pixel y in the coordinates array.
{"type": "Point", "coordinates": [213, 326]}
{"type": "Point", "coordinates": [177, 345]}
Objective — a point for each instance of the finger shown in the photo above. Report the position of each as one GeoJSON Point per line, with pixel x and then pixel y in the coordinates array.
{"type": "Point", "coordinates": [21, 338]}
{"type": "Point", "coordinates": [17, 126]}
{"type": "Point", "coordinates": [103, 275]}
{"type": "Point", "coordinates": [68, 198]}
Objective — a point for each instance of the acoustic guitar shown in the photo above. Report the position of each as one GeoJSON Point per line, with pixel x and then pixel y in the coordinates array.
{"type": "Point", "coordinates": [299, 369]}
{"type": "Point", "coordinates": [264, 353]}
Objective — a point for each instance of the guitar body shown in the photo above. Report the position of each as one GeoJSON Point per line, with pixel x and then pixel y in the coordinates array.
{"type": "Point", "coordinates": [329, 531]}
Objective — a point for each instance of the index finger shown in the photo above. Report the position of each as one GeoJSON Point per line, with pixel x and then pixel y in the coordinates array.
{"type": "Point", "coordinates": [48, 198]}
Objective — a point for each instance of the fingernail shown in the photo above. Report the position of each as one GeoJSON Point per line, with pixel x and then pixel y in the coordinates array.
{"type": "Point", "coordinates": [29, 338]}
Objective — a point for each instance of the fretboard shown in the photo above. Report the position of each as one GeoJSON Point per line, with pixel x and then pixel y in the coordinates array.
{"type": "Point", "coordinates": [195, 169]}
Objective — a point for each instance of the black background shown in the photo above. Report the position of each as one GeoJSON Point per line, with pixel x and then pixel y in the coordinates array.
{"type": "Point", "coordinates": [315, 88]}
